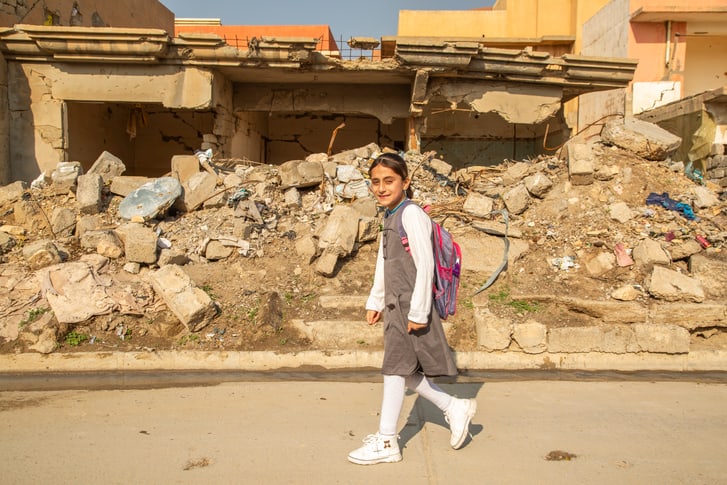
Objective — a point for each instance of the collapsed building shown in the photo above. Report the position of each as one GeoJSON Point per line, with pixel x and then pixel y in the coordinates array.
{"type": "Point", "coordinates": [74, 92]}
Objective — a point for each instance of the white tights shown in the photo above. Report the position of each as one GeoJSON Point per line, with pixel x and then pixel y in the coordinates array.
{"type": "Point", "coordinates": [393, 400]}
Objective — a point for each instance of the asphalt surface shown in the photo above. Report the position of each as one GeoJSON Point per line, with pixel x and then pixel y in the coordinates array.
{"type": "Point", "coordinates": [299, 429]}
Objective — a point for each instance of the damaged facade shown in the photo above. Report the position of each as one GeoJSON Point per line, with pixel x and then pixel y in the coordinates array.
{"type": "Point", "coordinates": [73, 92]}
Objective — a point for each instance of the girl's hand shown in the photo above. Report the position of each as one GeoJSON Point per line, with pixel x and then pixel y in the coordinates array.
{"type": "Point", "coordinates": [372, 316]}
{"type": "Point", "coordinates": [413, 327]}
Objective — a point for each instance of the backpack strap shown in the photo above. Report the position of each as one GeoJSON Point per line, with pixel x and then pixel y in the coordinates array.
{"type": "Point", "coordinates": [400, 225]}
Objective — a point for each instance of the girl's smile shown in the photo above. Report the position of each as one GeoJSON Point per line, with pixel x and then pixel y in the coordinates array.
{"type": "Point", "coordinates": [388, 186]}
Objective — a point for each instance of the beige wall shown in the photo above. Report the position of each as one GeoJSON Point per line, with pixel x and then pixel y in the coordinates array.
{"type": "Point", "coordinates": [94, 13]}
{"type": "Point", "coordinates": [706, 64]}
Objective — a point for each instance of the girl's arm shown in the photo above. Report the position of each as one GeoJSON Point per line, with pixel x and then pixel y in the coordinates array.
{"type": "Point", "coordinates": [418, 229]}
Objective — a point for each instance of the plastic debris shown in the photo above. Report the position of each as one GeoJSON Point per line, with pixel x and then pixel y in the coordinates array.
{"type": "Point", "coordinates": [565, 263]}
{"type": "Point", "coordinates": [668, 203]}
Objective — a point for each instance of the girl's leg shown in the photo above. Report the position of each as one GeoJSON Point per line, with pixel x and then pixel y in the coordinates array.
{"type": "Point", "coordinates": [429, 390]}
{"type": "Point", "coordinates": [391, 404]}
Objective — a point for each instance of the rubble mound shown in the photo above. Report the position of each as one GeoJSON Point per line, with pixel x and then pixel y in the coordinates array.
{"type": "Point", "coordinates": [248, 256]}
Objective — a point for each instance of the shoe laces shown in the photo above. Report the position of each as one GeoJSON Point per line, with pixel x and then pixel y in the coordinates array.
{"type": "Point", "coordinates": [376, 441]}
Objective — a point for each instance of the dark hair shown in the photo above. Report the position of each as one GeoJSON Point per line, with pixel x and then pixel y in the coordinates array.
{"type": "Point", "coordinates": [397, 164]}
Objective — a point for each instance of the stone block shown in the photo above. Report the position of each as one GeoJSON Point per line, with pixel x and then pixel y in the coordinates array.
{"type": "Point", "coordinates": [538, 184]}
{"type": "Point", "coordinates": [441, 167]}
{"type": "Point", "coordinates": [87, 223]}
{"type": "Point", "coordinates": [307, 248]}
{"type": "Point", "coordinates": [516, 199]}
{"type": "Point", "coordinates": [41, 253]}
{"type": "Point", "coordinates": [108, 166]}
{"type": "Point", "coordinates": [65, 177]}
{"type": "Point", "coordinates": [478, 205]}
{"type": "Point", "coordinates": [123, 185]}
{"type": "Point", "coordinates": [493, 332]}
{"type": "Point", "coordinates": [515, 173]}
{"type": "Point", "coordinates": [620, 211]}
{"type": "Point", "coordinates": [91, 239]}
{"type": "Point", "coordinates": [340, 231]}
{"type": "Point", "coordinates": [669, 285]}
{"type": "Point", "coordinates": [326, 264]}
{"type": "Point", "coordinates": [63, 221]}
{"type": "Point", "coordinates": [664, 339]}
{"type": "Point", "coordinates": [190, 304]}
{"type": "Point", "coordinates": [28, 214]}
{"type": "Point", "coordinates": [184, 167]}
{"type": "Point", "coordinates": [7, 242]}
{"type": "Point", "coordinates": [649, 252]}
{"type": "Point", "coordinates": [580, 163]}
{"type": "Point", "coordinates": [172, 256]}
{"type": "Point", "coordinates": [12, 192]}
{"type": "Point", "coordinates": [88, 193]}
{"type": "Point", "coordinates": [366, 207]}
{"type": "Point", "coordinates": [198, 188]}
{"type": "Point", "coordinates": [690, 315]}
{"type": "Point", "coordinates": [531, 337]}
{"type": "Point", "coordinates": [368, 229]}
{"type": "Point", "coordinates": [215, 251]}
{"type": "Point", "coordinates": [300, 173]}
{"type": "Point", "coordinates": [684, 249]}
{"type": "Point", "coordinates": [140, 242]}
{"type": "Point", "coordinates": [293, 198]}
{"type": "Point", "coordinates": [704, 197]}
{"type": "Point", "coordinates": [600, 263]}
{"type": "Point", "coordinates": [616, 339]}
{"type": "Point", "coordinates": [712, 273]}
{"type": "Point", "coordinates": [642, 138]}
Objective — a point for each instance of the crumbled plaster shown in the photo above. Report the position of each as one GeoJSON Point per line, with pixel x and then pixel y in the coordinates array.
{"type": "Point", "coordinates": [515, 104]}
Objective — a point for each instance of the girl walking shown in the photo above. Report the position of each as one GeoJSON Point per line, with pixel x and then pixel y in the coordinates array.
{"type": "Point", "coordinates": [414, 342]}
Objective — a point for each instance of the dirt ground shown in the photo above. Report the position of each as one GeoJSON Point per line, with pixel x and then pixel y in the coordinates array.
{"type": "Point", "coordinates": [570, 223]}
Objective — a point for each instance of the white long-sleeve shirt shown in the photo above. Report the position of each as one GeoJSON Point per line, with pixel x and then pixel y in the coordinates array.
{"type": "Point", "coordinates": [418, 229]}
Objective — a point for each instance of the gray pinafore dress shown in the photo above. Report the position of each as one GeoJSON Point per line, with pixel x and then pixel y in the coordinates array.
{"type": "Point", "coordinates": [425, 350]}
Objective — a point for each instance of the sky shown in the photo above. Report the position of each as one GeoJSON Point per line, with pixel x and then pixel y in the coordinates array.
{"type": "Point", "coordinates": [370, 18]}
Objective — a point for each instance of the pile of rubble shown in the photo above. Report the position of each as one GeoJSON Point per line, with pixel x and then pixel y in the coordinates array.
{"type": "Point", "coordinates": [603, 222]}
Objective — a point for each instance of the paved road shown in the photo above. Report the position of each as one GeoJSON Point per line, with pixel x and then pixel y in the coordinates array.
{"type": "Point", "coordinates": [300, 432]}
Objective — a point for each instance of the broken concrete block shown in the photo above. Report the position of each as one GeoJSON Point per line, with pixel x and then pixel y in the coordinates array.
{"type": "Point", "coordinates": [347, 173]}
{"type": "Point", "coordinates": [642, 138]}
{"type": "Point", "coordinates": [368, 229]}
{"type": "Point", "coordinates": [478, 205]}
{"type": "Point", "coordinates": [63, 221]}
{"type": "Point", "coordinates": [326, 264]}
{"type": "Point", "coordinates": [704, 197]}
{"type": "Point", "coordinates": [299, 173]}
{"type": "Point", "coordinates": [108, 166]}
{"type": "Point", "coordinates": [151, 199]}
{"type": "Point", "coordinates": [663, 339]}
{"type": "Point", "coordinates": [140, 242]}
{"type": "Point", "coordinates": [601, 263]}
{"type": "Point", "coordinates": [580, 163]}
{"type": "Point", "coordinates": [669, 285]}
{"type": "Point", "coordinates": [232, 180]}
{"type": "Point", "coordinates": [366, 207]}
{"type": "Point", "coordinates": [616, 339]}
{"type": "Point", "coordinates": [200, 187]}
{"type": "Point", "coordinates": [531, 336]}
{"type": "Point", "coordinates": [318, 157]}
{"type": "Point", "coordinates": [7, 242]}
{"type": "Point", "coordinates": [538, 184]}
{"type": "Point", "coordinates": [41, 253]}
{"type": "Point", "coordinates": [12, 192]}
{"type": "Point", "coordinates": [307, 248]}
{"type": "Point", "coordinates": [293, 199]}
{"type": "Point", "coordinates": [712, 272]}
{"type": "Point", "coordinates": [90, 240]}
{"type": "Point", "coordinates": [516, 199]}
{"type": "Point", "coordinates": [493, 332]}
{"type": "Point", "coordinates": [625, 293]}
{"type": "Point", "coordinates": [190, 304]}
{"type": "Point", "coordinates": [620, 211]}
{"type": "Point", "coordinates": [111, 248]}
{"type": "Point", "coordinates": [132, 268]}
{"type": "Point", "coordinates": [88, 193]}
{"type": "Point", "coordinates": [172, 256]}
{"type": "Point", "coordinates": [340, 230]}
{"type": "Point", "coordinates": [215, 250]}
{"type": "Point", "coordinates": [123, 185]}
{"type": "Point", "coordinates": [87, 223]}
{"type": "Point", "coordinates": [27, 213]}
{"type": "Point", "coordinates": [247, 209]}
{"type": "Point", "coordinates": [515, 173]}
{"type": "Point", "coordinates": [441, 167]}
{"type": "Point", "coordinates": [65, 176]}
{"type": "Point", "coordinates": [649, 252]}
{"type": "Point", "coordinates": [329, 168]}
{"type": "Point", "coordinates": [184, 167]}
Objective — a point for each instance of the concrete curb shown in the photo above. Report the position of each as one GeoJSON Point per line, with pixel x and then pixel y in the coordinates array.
{"type": "Point", "coordinates": [333, 360]}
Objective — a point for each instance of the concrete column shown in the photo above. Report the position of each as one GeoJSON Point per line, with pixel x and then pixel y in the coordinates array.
{"type": "Point", "coordinates": [4, 124]}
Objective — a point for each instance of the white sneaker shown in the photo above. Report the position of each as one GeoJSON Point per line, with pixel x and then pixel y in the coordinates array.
{"type": "Point", "coordinates": [459, 415]}
{"type": "Point", "coordinates": [376, 449]}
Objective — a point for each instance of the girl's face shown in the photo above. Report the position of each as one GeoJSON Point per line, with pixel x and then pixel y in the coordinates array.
{"type": "Point", "coordinates": [388, 186]}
